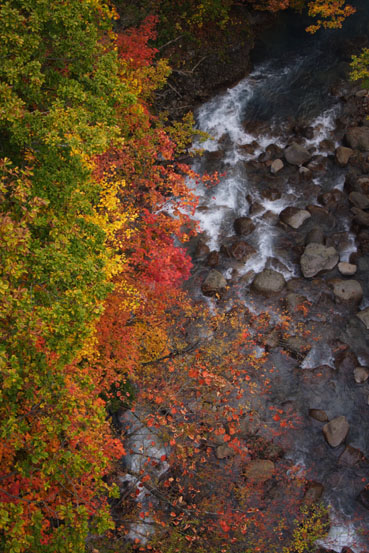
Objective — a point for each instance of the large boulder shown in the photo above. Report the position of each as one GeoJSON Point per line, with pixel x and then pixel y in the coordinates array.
{"type": "Point", "coordinates": [336, 430]}
{"type": "Point", "coordinates": [343, 155]}
{"type": "Point", "coordinates": [214, 284]}
{"type": "Point", "coordinates": [358, 138]}
{"type": "Point", "coordinates": [243, 225]}
{"type": "Point", "coordinates": [294, 217]}
{"type": "Point", "coordinates": [317, 259]}
{"type": "Point", "coordinates": [268, 283]}
{"type": "Point", "coordinates": [297, 154]}
{"type": "Point", "coordinates": [347, 290]}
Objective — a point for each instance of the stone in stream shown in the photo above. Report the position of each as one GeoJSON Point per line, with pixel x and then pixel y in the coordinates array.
{"type": "Point", "coordinates": [294, 217]}
{"type": "Point", "coordinates": [351, 456]}
{"type": "Point", "coordinates": [268, 283]}
{"type": "Point", "coordinates": [243, 226]}
{"type": "Point", "coordinates": [360, 217]}
{"type": "Point", "coordinates": [305, 173]}
{"type": "Point", "coordinates": [316, 236]}
{"type": "Point", "coordinates": [239, 250]}
{"type": "Point", "coordinates": [358, 138]}
{"type": "Point", "coordinates": [317, 259]}
{"type": "Point", "coordinates": [314, 491]}
{"type": "Point", "coordinates": [259, 470]}
{"type": "Point", "coordinates": [363, 315]}
{"type": "Point", "coordinates": [318, 415]}
{"type": "Point", "coordinates": [361, 374]}
{"type": "Point", "coordinates": [343, 155]}
{"type": "Point", "coordinates": [202, 249]}
{"type": "Point", "coordinates": [359, 200]}
{"type": "Point", "coordinates": [336, 430]}
{"type": "Point", "coordinates": [272, 194]}
{"type": "Point", "coordinates": [297, 154]}
{"type": "Point", "coordinates": [347, 290]}
{"type": "Point", "coordinates": [293, 301]}
{"type": "Point", "coordinates": [213, 259]}
{"type": "Point", "coordinates": [276, 166]}
{"type": "Point", "coordinates": [214, 283]}
{"type": "Point", "coordinates": [347, 269]}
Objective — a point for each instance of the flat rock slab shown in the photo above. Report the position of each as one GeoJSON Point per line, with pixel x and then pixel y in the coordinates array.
{"type": "Point", "coordinates": [268, 283]}
{"type": "Point", "coordinates": [259, 470]}
{"type": "Point", "coordinates": [347, 290]}
{"type": "Point", "coordinates": [318, 258]}
{"type": "Point", "coordinates": [336, 430]}
{"type": "Point", "coordinates": [294, 217]}
{"type": "Point", "coordinates": [214, 283]}
{"type": "Point", "coordinates": [297, 154]}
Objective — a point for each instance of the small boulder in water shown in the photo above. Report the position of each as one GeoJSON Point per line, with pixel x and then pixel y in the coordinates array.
{"type": "Point", "coordinates": [361, 375]}
{"type": "Point", "coordinates": [202, 249]}
{"type": "Point", "coordinates": [276, 166]}
{"type": "Point", "coordinates": [318, 415]}
{"type": "Point", "coordinates": [297, 154]}
{"type": "Point", "coordinates": [317, 259]}
{"type": "Point", "coordinates": [351, 456]}
{"type": "Point", "coordinates": [347, 269]}
{"type": "Point", "coordinates": [363, 315]}
{"type": "Point", "coordinates": [316, 236]}
{"type": "Point", "coordinates": [243, 226]}
{"type": "Point", "coordinates": [358, 138]}
{"type": "Point", "coordinates": [213, 259]}
{"type": "Point", "coordinates": [347, 290]}
{"type": "Point", "coordinates": [314, 492]}
{"type": "Point", "coordinates": [268, 283]}
{"type": "Point", "coordinates": [224, 451]}
{"type": "Point", "coordinates": [214, 283]}
{"type": "Point", "coordinates": [343, 155]}
{"type": "Point", "coordinates": [294, 217]}
{"type": "Point", "coordinates": [336, 430]}
{"type": "Point", "coordinates": [259, 470]}
{"type": "Point", "coordinates": [359, 200]}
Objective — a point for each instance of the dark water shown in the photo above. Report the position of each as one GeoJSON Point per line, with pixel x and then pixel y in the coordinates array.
{"type": "Point", "coordinates": [291, 86]}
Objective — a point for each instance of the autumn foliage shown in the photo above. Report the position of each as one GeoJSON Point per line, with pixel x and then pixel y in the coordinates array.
{"type": "Point", "coordinates": [94, 216]}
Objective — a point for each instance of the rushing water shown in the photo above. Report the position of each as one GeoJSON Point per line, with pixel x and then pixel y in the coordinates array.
{"type": "Point", "coordinates": [288, 88]}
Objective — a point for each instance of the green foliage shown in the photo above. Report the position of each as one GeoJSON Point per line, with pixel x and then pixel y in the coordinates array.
{"type": "Point", "coordinates": [360, 68]}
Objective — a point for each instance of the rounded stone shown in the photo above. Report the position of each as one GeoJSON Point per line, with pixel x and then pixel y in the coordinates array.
{"type": "Point", "coordinates": [347, 290]}
{"type": "Point", "coordinates": [268, 283]}
{"type": "Point", "coordinates": [214, 283]}
{"type": "Point", "coordinates": [361, 375]}
{"type": "Point", "coordinates": [336, 430]}
{"type": "Point", "coordinates": [347, 269]}
{"type": "Point", "coordinates": [318, 258]}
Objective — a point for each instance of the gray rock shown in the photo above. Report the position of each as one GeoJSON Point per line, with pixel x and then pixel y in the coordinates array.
{"type": "Point", "coordinates": [250, 424]}
{"type": "Point", "coordinates": [316, 236]}
{"type": "Point", "coordinates": [297, 154]}
{"type": "Point", "coordinates": [361, 375]}
{"type": "Point", "coordinates": [347, 290]}
{"type": "Point", "coordinates": [347, 269]}
{"type": "Point", "coordinates": [363, 315]}
{"type": "Point", "coordinates": [214, 283]}
{"type": "Point", "coordinates": [318, 415]}
{"type": "Point", "coordinates": [294, 217]}
{"type": "Point", "coordinates": [343, 155]}
{"type": "Point", "coordinates": [243, 226]}
{"type": "Point", "coordinates": [358, 138]}
{"type": "Point", "coordinates": [297, 346]}
{"type": "Point", "coordinates": [359, 200]}
{"type": "Point", "coordinates": [268, 283]}
{"type": "Point", "coordinates": [276, 166]}
{"type": "Point", "coordinates": [317, 259]}
{"type": "Point", "coordinates": [336, 430]}
{"type": "Point", "coordinates": [224, 451]}
{"type": "Point", "coordinates": [293, 301]}
{"type": "Point", "coordinates": [361, 217]}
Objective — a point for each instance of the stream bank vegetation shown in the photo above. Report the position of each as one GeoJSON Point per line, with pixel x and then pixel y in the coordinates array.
{"type": "Point", "coordinates": [94, 213]}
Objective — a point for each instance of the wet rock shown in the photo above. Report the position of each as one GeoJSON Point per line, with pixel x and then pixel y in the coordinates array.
{"type": "Point", "coordinates": [363, 498]}
{"type": "Point", "coordinates": [318, 164]}
{"type": "Point", "coordinates": [259, 470]}
{"type": "Point", "coordinates": [318, 415]}
{"type": "Point", "coordinates": [361, 375]}
{"type": "Point", "coordinates": [305, 173]}
{"type": "Point", "coordinates": [272, 194]}
{"type": "Point", "coordinates": [202, 249]}
{"type": "Point", "coordinates": [363, 315]}
{"type": "Point", "coordinates": [256, 209]}
{"type": "Point", "coordinates": [297, 154]}
{"type": "Point", "coordinates": [314, 491]}
{"type": "Point", "coordinates": [322, 217]}
{"type": "Point", "coordinates": [317, 259]}
{"type": "Point", "coordinates": [360, 217]}
{"type": "Point", "coordinates": [347, 290]}
{"type": "Point", "coordinates": [224, 451]}
{"type": "Point", "coordinates": [359, 200]}
{"type": "Point", "coordinates": [268, 283]}
{"type": "Point", "coordinates": [347, 269]}
{"type": "Point", "coordinates": [351, 456]}
{"type": "Point", "coordinates": [293, 301]}
{"type": "Point", "coordinates": [213, 259]}
{"type": "Point", "coordinates": [243, 226]}
{"type": "Point", "coordinates": [239, 250]}
{"type": "Point", "coordinates": [358, 138]}
{"type": "Point", "coordinates": [297, 346]}
{"type": "Point", "coordinates": [316, 236]}
{"type": "Point", "coordinates": [270, 218]}
{"type": "Point", "coordinates": [336, 430]}
{"type": "Point", "coordinates": [326, 145]}
{"type": "Point", "coordinates": [214, 284]}
{"type": "Point", "coordinates": [343, 155]}
{"type": "Point", "coordinates": [276, 166]}
{"type": "Point", "coordinates": [331, 198]}
{"type": "Point", "coordinates": [294, 217]}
